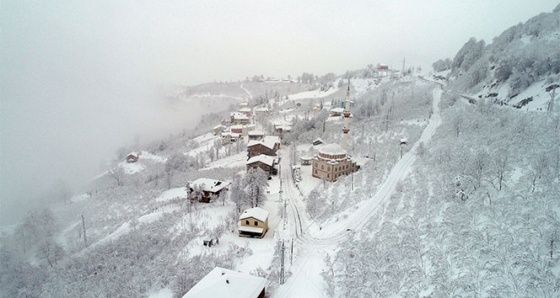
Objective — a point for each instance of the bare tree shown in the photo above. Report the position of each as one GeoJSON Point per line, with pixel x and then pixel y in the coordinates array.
{"type": "Point", "coordinates": [118, 175]}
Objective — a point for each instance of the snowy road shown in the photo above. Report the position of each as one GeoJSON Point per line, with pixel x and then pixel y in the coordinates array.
{"type": "Point", "coordinates": [246, 91]}
{"type": "Point", "coordinates": [316, 242]}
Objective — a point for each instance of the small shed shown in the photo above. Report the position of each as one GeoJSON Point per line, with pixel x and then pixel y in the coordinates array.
{"type": "Point", "coordinates": [306, 160]}
{"type": "Point", "coordinates": [317, 141]}
{"type": "Point", "coordinates": [132, 157]}
{"type": "Point", "coordinates": [253, 223]}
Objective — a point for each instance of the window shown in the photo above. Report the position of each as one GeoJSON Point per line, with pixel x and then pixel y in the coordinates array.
{"type": "Point", "coordinates": [256, 223]}
{"type": "Point", "coordinates": [247, 222]}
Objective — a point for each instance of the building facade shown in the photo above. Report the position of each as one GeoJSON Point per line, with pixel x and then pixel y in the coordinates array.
{"type": "Point", "coordinates": [332, 162]}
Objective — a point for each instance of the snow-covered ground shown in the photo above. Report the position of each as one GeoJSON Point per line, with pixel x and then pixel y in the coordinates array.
{"type": "Point", "coordinates": [317, 241]}
{"type": "Point", "coordinates": [313, 94]}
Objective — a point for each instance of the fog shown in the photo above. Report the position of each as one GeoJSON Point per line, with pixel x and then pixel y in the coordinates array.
{"type": "Point", "coordinates": [79, 80]}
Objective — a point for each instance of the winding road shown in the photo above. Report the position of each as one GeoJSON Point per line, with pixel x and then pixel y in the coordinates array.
{"type": "Point", "coordinates": [314, 243]}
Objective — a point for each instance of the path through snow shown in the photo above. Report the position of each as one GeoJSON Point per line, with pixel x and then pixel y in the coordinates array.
{"type": "Point", "coordinates": [316, 242]}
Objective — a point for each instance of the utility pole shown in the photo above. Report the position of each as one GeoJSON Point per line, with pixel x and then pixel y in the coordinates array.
{"type": "Point", "coordinates": [282, 200]}
{"type": "Point", "coordinates": [292, 253]}
{"type": "Point", "coordinates": [84, 228]}
{"type": "Point", "coordinates": [282, 264]}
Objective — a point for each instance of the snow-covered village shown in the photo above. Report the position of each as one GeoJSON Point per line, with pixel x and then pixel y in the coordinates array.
{"type": "Point", "coordinates": [384, 180]}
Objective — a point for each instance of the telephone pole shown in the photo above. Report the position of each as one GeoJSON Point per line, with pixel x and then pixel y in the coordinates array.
{"type": "Point", "coordinates": [84, 228]}
{"type": "Point", "coordinates": [282, 264]}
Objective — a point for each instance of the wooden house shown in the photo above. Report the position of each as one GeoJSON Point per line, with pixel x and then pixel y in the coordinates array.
{"type": "Point", "coordinates": [229, 137]}
{"type": "Point", "coordinates": [132, 157]}
{"type": "Point", "coordinates": [264, 162]}
{"type": "Point", "coordinates": [269, 145]}
{"type": "Point", "coordinates": [204, 189]}
{"type": "Point", "coordinates": [253, 223]}
{"type": "Point", "coordinates": [221, 282]}
{"type": "Point", "coordinates": [255, 135]}
{"type": "Point", "coordinates": [239, 118]}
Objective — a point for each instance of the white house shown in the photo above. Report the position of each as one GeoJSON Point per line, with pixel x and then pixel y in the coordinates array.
{"type": "Point", "coordinates": [225, 283]}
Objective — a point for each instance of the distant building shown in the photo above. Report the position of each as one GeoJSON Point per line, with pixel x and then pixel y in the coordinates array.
{"type": "Point", "coordinates": [332, 162]}
{"type": "Point", "coordinates": [253, 223]}
{"type": "Point", "coordinates": [317, 142]}
{"type": "Point", "coordinates": [336, 112]}
{"type": "Point", "coordinates": [225, 283]}
{"type": "Point", "coordinates": [246, 111]}
{"type": "Point", "coordinates": [218, 129]}
{"type": "Point", "coordinates": [239, 118]}
{"type": "Point", "coordinates": [209, 187]}
{"type": "Point", "coordinates": [229, 137]}
{"type": "Point", "coordinates": [132, 157]}
{"type": "Point", "coordinates": [261, 111]}
{"type": "Point", "coordinates": [255, 135]}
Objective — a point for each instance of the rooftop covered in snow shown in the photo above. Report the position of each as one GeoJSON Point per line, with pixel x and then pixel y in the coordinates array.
{"type": "Point", "coordinates": [256, 212]}
{"type": "Point", "coordinates": [210, 185]}
{"type": "Point", "coordinates": [221, 282]}
{"type": "Point", "coordinates": [267, 160]}
{"type": "Point", "coordinates": [332, 149]}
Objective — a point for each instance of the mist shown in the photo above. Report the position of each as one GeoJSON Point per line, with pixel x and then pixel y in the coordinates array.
{"type": "Point", "coordinates": [73, 92]}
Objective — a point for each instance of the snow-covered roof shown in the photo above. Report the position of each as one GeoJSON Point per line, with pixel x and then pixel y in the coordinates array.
{"type": "Point", "coordinates": [271, 141]}
{"type": "Point", "coordinates": [231, 134]}
{"type": "Point", "coordinates": [244, 110]}
{"type": "Point", "coordinates": [267, 160]}
{"type": "Point", "coordinates": [256, 212]}
{"type": "Point", "coordinates": [210, 185]}
{"type": "Point", "coordinates": [332, 149]}
{"type": "Point", "coordinates": [221, 282]}
{"type": "Point", "coordinates": [240, 116]}
{"type": "Point", "coordinates": [337, 110]}
{"type": "Point", "coordinates": [256, 133]}
{"type": "Point", "coordinates": [268, 141]}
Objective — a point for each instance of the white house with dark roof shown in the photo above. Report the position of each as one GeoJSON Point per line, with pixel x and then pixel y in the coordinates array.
{"type": "Point", "coordinates": [332, 162]}
{"type": "Point", "coordinates": [225, 283]}
{"type": "Point", "coordinates": [253, 222]}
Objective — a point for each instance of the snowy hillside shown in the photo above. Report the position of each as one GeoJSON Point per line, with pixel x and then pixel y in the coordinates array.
{"type": "Point", "coordinates": [453, 196]}
{"type": "Point", "coordinates": [517, 68]}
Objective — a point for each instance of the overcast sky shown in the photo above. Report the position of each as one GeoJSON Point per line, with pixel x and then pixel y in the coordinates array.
{"type": "Point", "coordinates": [77, 77]}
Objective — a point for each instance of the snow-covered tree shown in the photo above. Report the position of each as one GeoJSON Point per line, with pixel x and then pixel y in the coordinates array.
{"type": "Point", "coordinates": [255, 183]}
